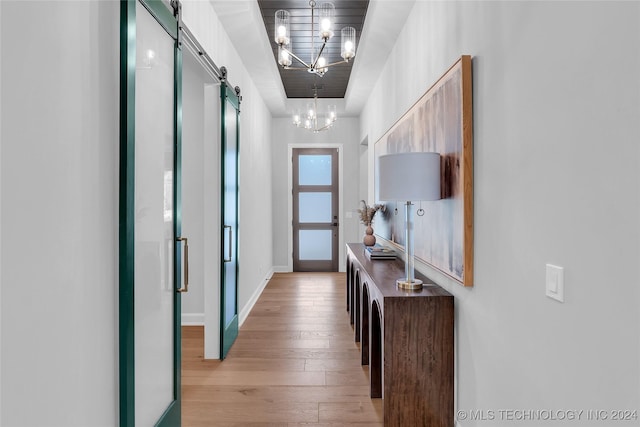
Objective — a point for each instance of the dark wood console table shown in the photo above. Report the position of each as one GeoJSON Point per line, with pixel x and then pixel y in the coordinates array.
{"type": "Point", "coordinates": [410, 333]}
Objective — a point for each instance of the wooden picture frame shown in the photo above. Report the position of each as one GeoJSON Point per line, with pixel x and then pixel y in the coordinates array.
{"type": "Point", "coordinates": [440, 121]}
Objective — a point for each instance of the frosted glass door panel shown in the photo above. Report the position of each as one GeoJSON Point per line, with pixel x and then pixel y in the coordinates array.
{"type": "Point", "coordinates": [230, 213]}
{"type": "Point", "coordinates": [315, 207]}
{"type": "Point", "coordinates": [154, 287]}
{"type": "Point", "coordinates": [314, 170]}
{"type": "Point", "coordinates": [315, 245]}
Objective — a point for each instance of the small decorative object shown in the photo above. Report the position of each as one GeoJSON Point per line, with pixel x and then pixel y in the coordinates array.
{"type": "Point", "coordinates": [369, 239]}
{"type": "Point", "coordinates": [366, 217]}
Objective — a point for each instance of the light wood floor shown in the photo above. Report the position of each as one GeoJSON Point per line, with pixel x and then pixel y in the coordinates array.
{"type": "Point", "coordinates": [294, 363]}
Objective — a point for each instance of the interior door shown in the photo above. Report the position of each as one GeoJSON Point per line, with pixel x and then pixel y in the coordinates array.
{"type": "Point", "coordinates": [150, 241]}
{"type": "Point", "coordinates": [230, 106]}
{"type": "Point", "coordinates": [315, 209]}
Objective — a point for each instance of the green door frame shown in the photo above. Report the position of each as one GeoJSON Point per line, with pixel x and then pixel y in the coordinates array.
{"type": "Point", "coordinates": [170, 21]}
{"type": "Point", "coordinates": [228, 333]}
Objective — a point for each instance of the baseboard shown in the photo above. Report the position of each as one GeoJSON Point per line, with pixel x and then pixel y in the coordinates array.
{"type": "Point", "coordinates": [197, 319]}
{"type": "Point", "coordinates": [192, 319]}
{"type": "Point", "coordinates": [281, 269]}
{"type": "Point", "coordinates": [244, 313]}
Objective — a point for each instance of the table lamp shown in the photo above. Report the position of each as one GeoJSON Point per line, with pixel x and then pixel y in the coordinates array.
{"type": "Point", "coordinates": [409, 177]}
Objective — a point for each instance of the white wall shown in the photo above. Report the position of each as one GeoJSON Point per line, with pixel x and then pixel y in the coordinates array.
{"type": "Point", "coordinates": [556, 180]}
{"type": "Point", "coordinates": [59, 196]}
{"type": "Point", "coordinates": [363, 184]}
{"type": "Point", "coordinates": [255, 232]}
{"type": "Point", "coordinates": [0, 218]}
{"type": "Point", "coordinates": [344, 132]}
{"type": "Point", "coordinates": [255, 227]}
{"type": "Point", "coordinates": [196, 82]}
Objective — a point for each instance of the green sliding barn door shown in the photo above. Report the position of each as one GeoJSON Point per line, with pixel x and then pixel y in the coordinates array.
{"type": "Point", "coordinates": [230, 105]}
{"type": "Point", "coordinates": [151, 256]}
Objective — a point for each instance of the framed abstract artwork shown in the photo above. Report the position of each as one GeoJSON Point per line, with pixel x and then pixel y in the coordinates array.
{"type": "Point", "coordinates": [440, 121]}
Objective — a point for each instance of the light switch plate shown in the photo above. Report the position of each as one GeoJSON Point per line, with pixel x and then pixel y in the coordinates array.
{"type": "Point", "coordinates": [555, 282]}
{"type": "Point", "coordinates": [348, 214]}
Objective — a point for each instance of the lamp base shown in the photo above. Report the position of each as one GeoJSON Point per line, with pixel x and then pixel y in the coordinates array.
{"type": "Point", "coordinates": [404, 284]}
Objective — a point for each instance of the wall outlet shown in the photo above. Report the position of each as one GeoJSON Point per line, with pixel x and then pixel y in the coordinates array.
{"type": "Point", "coordinates": [555, 282]}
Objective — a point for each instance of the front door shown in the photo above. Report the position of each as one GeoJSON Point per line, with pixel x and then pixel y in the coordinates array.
{"type": "Point", "coordinates": [230, 106]}
{"type": "Point", "coordinates": [150, 240]}
{"type": "Point", "coordinates": [315, 209]}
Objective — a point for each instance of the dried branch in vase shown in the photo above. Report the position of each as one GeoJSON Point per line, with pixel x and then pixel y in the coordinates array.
{"type": "Point", "coordinates": [368, 212]}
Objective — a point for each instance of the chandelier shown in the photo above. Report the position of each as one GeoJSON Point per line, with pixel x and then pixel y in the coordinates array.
{"type": "Point", "coordinates": [317, 64]}
{"type": "Point", "coordinates": [311, 120]}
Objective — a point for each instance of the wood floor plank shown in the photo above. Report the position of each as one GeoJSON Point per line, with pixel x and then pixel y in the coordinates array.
{"type": "Point", "coordinates": [294, 364]}
{"type": "Point", "coordinates": [350, 377]}
{"type": "Point", "coordinates": [365, 424]}
{"type": "Point", "coordinates": [349, 411]}
{"type": "Point", "coordinates": [250, 394]}
{"type": "Point", "coordinates": [248, 364]}
{"type": "Point", "coordinates": [281, 343]}
{"type": "Point", "coordinates": [256, 378]}
{"type": "Point", "coordinates": [219, 415]}
{"type": "Point", "coordinates": [269, 353]}
{"type": "Point", "coordinates": [332, 365]}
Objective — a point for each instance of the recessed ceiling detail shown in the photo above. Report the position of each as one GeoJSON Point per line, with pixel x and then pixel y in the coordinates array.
{"type": "Point", "coordinates": [300, 84]}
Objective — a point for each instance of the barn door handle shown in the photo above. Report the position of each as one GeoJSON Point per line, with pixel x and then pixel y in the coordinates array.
{"type": "Point", "coordinates": [228, 259]}
{"type": "Point", "coordinates": [186, 264]}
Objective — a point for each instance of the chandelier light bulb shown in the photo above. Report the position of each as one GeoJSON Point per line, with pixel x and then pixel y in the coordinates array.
{"type": "Point", "coordinates": [296, 118]}
{"type": "Point", "coordinates": [348, 35]}
{"type": "Point", "coordinates": [348, 46]}
{"type": "Point", "coordinates": [284, 57]}
{"type": "Point", "coordinates": [322, 62]}
{"type": "Point", "coordinates": [331, 113]}
{"type": "Point", "coordinates": [281, 34]}
{"type": "Point", "coordinates": [326, 18]}
{"type": "Point", "coordinates": [311, 110]}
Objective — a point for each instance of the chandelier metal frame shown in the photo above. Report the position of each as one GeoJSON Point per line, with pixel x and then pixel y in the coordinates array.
{"type": "Point", "coordinates": [310, 121]}
{"type": "Point", "coordinates": [318, 64]}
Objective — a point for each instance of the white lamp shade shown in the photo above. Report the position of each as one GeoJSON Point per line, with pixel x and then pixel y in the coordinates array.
{"type": "Point", "coordinates": [409, 177]}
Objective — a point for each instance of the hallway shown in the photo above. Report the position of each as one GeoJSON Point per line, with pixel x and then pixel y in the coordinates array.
{"type": "Point", "coordinates": [294, 363]}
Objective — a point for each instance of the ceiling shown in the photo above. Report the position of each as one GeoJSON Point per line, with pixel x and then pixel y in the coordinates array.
{"type": "Point", "coordinates": [242, 22]}
{"type": "Point", "coordinates": [299, 83]}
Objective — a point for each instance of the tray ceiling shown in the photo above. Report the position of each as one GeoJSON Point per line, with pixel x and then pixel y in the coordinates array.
{"type": "Point", "coordinates": [299, 83]}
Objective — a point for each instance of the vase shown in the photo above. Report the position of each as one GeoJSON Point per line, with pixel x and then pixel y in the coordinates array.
{"type": "Point", "coordinates": [369, 239]}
